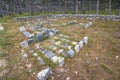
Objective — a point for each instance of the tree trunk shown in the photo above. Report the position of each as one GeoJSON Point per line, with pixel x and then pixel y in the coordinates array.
{"type": "Point", "coordinates": [19, 6]}
{"type": "Point", "coordinates": [76, 10]}
{"type": "Point", "coordinates": [1, 10]}
{"type": "Point", "coordinates": [97, 10]}
{"type": "Point", "coordinates": [119, 10]}
{"type": "Point", "coordinates": [10, 9]}
{"type": "Point", "coordinates": [30, 7]}
{"type": "Point", "coordinates": [65, 6]}
{"type": "Point", "coordinates": [109, 9]}
{"type": "Point", "coordinates": [83, 6]}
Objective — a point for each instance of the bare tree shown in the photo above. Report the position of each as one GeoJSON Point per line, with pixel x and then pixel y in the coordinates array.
{"type": "Point", "coordinates": [109, 9]}
{"type": "Point", "coordinates": [83, 6]}
{"type": "Point", "coordinates": [65, 6]}
{"type": "Point", "coordinates": [1, 9]}
{"type": "Point", "coordinates": [97, 10]}
{"type": "Point", "coordinates": [76, 9]}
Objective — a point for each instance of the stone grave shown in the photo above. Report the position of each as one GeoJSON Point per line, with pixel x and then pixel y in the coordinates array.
{"type": "Point", "coordinates": [60, 45]}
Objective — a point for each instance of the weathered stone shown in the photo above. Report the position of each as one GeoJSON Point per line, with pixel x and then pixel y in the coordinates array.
{"type": "Point", "coordinates": [58, 60]}
{"type": "Point", "coordinates": [61, 61]}
{"type": "Point", "coordinates": [55, 31]}
{"type": "Point", "coordinates": [39, 37]}
{"type": "Point", "coordinates": [22, 29]}
{"type": "Point", "coordinates": [44, 74]}
{"type": "Point", "coordinates": [46, 36]}
{"type": "Point", "coordinates": [60, 51]}
{"type": "Point", "coordinates": [81, 44]}
{"type": "Point", "coordinates": [70, 53]}
{"type": "Point", "coordinates": [85, 39]}
{"type": "Point", "coordinates": [58, 43]}
{"type": "Point", "coordinates": [24, 44]}
{"type": "Point", "coordinates": [54, 59]}
{"type": "Point", "coordinates": [72, 22]}
{"type": "Point", "coordinates": [38, 46]}
{"type": "Point", "coordinates": [40, 60]}
{"type": "Point", "coordinates": [51, 34]}
{"type": "Point", "coordinates": [31, 41]}
{"type": "Point", "coordinates": [28, 34]}
{"type": "Point", "coordinates": [35, 54]}
{"type": "Point", "coordinates": [52, 41]}
{"type": "Point", "coordinates": [74, 43]}
{"type": "Point", "coordinates": [48, 54]}
{"type": "Point", "coordinates": [25, 55]}
{"type": "Point", "coordinates": [77, 48]}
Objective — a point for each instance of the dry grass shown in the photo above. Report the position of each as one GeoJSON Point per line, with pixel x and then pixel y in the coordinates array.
{"type": "Point", "coordinates": [104, 43]}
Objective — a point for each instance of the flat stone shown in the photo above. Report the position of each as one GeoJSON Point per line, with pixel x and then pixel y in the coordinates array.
{"type": "Point", "coordinates": [55, 48]}
{"type": "Point", "coordinates": [69, 47]}
{"type": "Point", "coordinates": [35, 54]}
{"type": "Point", "coordinates": [25, 55]}
{"type": "Point", "coordinates": [28, 34]}
{"type": "Point", "coordinates": [77, 48]}
{"type": "Point", "coordinates": [48, 54]}
{"type": "Point", "coordinates": [85, 39]}
{"type": "Point", "coordinates": [39, 37]}
{"type": "Point", "coordinates": [81, 44]}
{"type": "Point", "coordinates": [51, 34]}
{"type": "Point", "coordinates": [40, 60]}
{"type": "Point", "coordinates": [58, 42]}
{"type": "Point", "coordinates": [72, 22]}
{"type": "Point", "coordinates": [71, 53]}
{"type": "Point", "coordinates": [54, 59]}
{"type": "Point", "coordinates": [58, 60]}
{"type": "Point", "coordinates": [24, 43]}
{"type": "Point", "coordinates": [44, 74]}
{"type": "Point", "coordinates": [74, 43]}
{"type": "Point", "coordinates": [31, 41]}
{"type": "Point", "coordinates": [60, 51]}
{"type": "Point", "coordinates": [37, 46]}
{"type": "Point", "coordinates": [22, 29]}
{"type": "Point", "coordinates": [61, 61]}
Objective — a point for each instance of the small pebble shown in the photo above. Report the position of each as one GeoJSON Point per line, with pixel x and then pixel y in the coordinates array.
{"type": "Point", "coordinates": [68, 78]}
{"type": "Point", "coordinates": [117, 57]}
{"type": "Point", "coordinates": [96, 58]}
{"type": "Point", "coordinates": [76, 72]}
{"type": "Point", "coordinates": [58, 75]}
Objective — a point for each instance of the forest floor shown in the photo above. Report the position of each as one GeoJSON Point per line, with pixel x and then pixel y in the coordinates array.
{"type": "Point", "coordinates": [98, 60]}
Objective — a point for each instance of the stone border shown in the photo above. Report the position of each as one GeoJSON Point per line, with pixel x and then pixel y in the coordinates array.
{"type": "Point", "coordinates": [86, 16]}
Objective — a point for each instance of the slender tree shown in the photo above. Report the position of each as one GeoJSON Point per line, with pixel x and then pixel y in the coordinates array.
{"type": "Point", "coordinates": [65, 6]}
{"type": "Point", "coordinates": [109, 9]}
{"type": "Point", "coordinates": [83, 6]}
{"type": "Point", "coordinates": [97, 10]}
{"type": "Point", "coordinates": [76, 9]}
{"type": "Point", "coordinates": [1, 9]}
